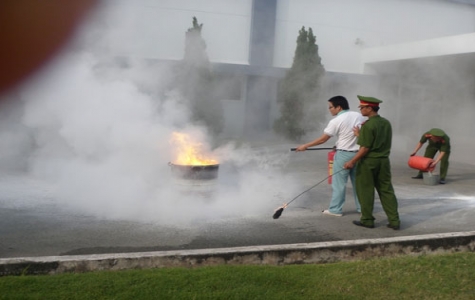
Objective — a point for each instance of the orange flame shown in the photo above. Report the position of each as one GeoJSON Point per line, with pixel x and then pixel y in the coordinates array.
{"type": "Point", "coordinates": [190, 152]}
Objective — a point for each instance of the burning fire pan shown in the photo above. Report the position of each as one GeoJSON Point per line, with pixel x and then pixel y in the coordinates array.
{"type": "Point", "coordinates": [198, 172]}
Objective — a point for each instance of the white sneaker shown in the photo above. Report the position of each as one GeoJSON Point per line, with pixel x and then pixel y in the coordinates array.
{"type": "Point", "coordinates": [327, 212]}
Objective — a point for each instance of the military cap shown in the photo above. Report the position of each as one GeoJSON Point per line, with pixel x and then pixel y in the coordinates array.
{"type": "Point", "coordinates": [369, 101]}
{"type": "Point", "coordinates": [436, 132]}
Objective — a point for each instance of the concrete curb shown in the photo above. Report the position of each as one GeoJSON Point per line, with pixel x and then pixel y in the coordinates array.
{"type": "Point", "coordinates": [305, 253]}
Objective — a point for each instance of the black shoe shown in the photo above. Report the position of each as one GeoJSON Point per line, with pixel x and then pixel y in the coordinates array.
{"type": "Point", "coordinates": [395, 227]}
{"type": "Point", "coordinates": [358, 223]}
{"type": "Point", "coordinates": [418, 176]}
{"type": "Point", "coordinates": [442, 181]}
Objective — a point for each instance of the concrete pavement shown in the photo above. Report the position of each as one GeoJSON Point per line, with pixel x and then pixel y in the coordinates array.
{"type": "Point", "coordinates": [45, 233]}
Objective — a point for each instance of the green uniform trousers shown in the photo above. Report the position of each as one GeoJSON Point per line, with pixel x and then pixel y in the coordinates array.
{"type": "Point", "coordinates": [444, 162]}
{"type": "Point", "coordinates": [375, 173]}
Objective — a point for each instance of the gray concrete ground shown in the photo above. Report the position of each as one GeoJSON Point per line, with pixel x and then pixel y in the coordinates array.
{"type": "Point", "coordinates": [46, 230]}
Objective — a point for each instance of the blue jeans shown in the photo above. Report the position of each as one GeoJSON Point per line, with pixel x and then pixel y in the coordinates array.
{"type": "Point", "coordinates": [339, 182]}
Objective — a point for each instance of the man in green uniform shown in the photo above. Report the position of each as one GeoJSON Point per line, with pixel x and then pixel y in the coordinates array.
{"type": "Point", "coordinates": [438, 141]}
{"type": "Point", "coordinates": [374, 168]}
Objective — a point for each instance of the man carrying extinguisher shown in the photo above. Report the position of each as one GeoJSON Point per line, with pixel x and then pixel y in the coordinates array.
{"type": "Point", "coordinates": [341, 126]}
{"type": "Point", "coordinates": [439, 141]}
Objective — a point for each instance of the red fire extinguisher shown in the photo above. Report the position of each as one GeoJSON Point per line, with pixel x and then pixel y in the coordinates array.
{"type": "Point", "coordinates": [331, 156]}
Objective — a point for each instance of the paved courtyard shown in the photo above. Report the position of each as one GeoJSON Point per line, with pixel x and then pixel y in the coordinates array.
{"type": "Point", "coordinates": [32, 223]}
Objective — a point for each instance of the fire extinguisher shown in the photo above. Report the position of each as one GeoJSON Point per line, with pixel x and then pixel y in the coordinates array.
{"type": "Point", "coordinates": [331, 156]}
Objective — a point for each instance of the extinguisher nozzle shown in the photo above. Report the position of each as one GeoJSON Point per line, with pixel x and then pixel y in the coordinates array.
{"type": "Point", "coordinates": [278, 213]}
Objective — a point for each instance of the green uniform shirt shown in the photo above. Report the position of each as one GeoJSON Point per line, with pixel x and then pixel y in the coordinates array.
{"type": "Point", "coordinates": [443, 146]}
{"type": "Point", "coordinates": [376, 134]}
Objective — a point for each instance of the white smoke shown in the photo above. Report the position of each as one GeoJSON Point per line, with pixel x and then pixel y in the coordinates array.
{"type": "Point", "coordinates": [99, 137]}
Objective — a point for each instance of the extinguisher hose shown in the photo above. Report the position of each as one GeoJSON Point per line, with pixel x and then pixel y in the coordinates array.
{"type": "Point", "coordinates": [314, 186]}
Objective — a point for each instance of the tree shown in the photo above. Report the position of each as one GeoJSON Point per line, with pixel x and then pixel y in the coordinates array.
{"type": "Point", "coordinates": [196, 81]}
{"type": "Point", "coordinates": [299, 89]}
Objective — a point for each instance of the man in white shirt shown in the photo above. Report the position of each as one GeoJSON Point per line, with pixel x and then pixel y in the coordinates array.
{"type": "Point", "coordinates": [341, 126]}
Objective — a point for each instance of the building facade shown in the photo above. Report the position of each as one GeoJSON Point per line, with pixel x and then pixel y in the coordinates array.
{"type": "Point", "coordinates": [386, 48]}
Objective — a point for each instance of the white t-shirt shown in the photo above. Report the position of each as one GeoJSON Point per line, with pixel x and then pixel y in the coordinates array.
{"type": "Point", "coordinates": [341, 126]}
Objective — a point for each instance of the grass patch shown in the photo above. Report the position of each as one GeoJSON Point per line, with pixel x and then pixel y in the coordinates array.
{"type": "Point", "coordinates": [425, 277]}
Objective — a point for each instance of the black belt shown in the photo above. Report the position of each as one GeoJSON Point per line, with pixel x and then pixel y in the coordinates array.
{"type": "Point", "coordinates": [347, 150]}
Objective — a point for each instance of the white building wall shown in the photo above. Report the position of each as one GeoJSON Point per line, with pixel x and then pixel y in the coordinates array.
{"type": "Point", "coordinates": [156, 28]}
{"type": "Point", "coordinates": [457, 44]}
{"type": "Point", "coordinates": [349, 32]}
{"type": "Point", "coordinates": [345, 27]}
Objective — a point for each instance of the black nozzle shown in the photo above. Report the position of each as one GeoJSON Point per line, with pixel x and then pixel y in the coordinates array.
{"type": "Point", "coordinates": [278, 213]}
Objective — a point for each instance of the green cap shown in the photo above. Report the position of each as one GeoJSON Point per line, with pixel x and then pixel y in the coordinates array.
{"type": "Point", "coordinates": [369, 101]}
{"type": "Point", "coordinates": [436, 132]}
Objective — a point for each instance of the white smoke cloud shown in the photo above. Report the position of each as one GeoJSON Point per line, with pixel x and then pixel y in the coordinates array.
{"type": "Point", "coordinates": [99, 136]}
